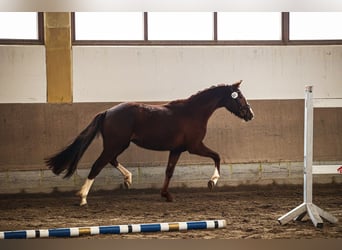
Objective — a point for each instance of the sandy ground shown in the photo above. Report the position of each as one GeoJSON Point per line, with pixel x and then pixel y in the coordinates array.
{"type": "Point", "coordinates": [250, 211]}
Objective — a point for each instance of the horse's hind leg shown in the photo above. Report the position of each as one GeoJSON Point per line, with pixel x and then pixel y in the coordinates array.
{"type": "Point", "coordinates": [83, 193]}
{"type": "Point", "coordinates": [173, 158]}
{"type": "Point", "coordinates": [126, 174]}
{"type": "Point", "coordinates": [213, 180]}
{"type": "Point", "coordinates": [95, 170]}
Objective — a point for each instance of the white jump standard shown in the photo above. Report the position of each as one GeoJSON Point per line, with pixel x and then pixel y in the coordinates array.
{"type": "Point", "coordinates": [307, 207]}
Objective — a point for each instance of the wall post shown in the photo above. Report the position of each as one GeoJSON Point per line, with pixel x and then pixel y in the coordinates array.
{"type": "Point", "coordinates": [58, 45]}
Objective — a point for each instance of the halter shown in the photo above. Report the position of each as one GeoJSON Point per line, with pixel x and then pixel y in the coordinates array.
{"type": "Point", "coordinates": [235, 96]}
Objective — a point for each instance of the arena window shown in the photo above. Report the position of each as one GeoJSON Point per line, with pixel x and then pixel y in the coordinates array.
{"type": "Point", "coordinates": [180, 26]}
{"type": "Point", "coordinates": [315, 26]}
{"type": "Point", "coordinates": [108, 26]}
{"type": "Point", "coordinates": [249, 26]}
{"type": "Point", "coordinates": [21, 28]}
{"type": "Point", "coordinates": [206, 28]}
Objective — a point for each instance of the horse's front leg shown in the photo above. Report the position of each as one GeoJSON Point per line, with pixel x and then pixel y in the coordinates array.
{"type": "Point", "coordinates": [202, 150]}
{"type": "Point", "coordinates": [173, 158]}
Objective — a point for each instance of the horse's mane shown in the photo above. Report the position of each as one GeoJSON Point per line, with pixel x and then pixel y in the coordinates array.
{"type": "Point", "coordinates": [211, 91]}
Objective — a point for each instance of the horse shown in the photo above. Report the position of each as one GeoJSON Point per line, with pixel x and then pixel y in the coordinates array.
{"type": "Point", "coordinates": [176, 126]}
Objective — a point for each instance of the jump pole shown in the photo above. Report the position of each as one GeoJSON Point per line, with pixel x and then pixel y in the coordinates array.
{"type": "Point", "coordinates": [115, 229]}
{"type": "Point", "coordinates": [307, 207]}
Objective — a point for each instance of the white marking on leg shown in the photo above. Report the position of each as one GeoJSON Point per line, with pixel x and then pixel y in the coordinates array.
{"type": "Point", "coordinates": [83, 193]}
{"type": "Point", "coordinates": [127, 175]}
{"type": "Point", "coordinates": [215, 176]}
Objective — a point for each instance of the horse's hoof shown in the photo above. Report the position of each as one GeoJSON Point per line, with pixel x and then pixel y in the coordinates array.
{"type": "Point", "coordinates": [128, 181]}
{"type": "Point", "coordinates": [168, 196]}
{"type": "Point", "coordinates": [211, 185]}
{"type": "Point", "coordinates": [83, 199]}
{"type": "Point", "coordinates": [127, 184]}
{"type": "Point", "coordinates": [83, 204]}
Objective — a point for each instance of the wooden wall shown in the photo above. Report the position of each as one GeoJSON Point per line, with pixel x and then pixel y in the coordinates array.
{"type": "Point", "coordinates": [30, 132]}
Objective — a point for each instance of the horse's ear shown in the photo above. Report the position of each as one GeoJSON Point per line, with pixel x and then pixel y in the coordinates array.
{"type": "Point", "coordinates": [237, 85]}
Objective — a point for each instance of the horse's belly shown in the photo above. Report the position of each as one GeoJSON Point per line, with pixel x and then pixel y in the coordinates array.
{"type": "Point", "coordinates": [151, 146]}
{"type": "Point", "coordinates": [159, 143]}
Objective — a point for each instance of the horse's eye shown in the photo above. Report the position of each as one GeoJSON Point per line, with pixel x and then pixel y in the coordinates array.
{"type": "Point", "coordinates": [234, 95]}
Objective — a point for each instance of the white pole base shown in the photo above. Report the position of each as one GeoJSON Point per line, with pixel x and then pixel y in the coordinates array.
{"type": "Point", "coordinates": [315, 213]}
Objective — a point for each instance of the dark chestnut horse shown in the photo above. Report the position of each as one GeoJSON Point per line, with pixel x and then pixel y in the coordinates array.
{"type": "Point", "coordinates": [177, 126]}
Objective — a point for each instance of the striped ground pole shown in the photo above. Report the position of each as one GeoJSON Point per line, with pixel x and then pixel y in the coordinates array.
{"type": "Point", "coordinates": [115, 229]}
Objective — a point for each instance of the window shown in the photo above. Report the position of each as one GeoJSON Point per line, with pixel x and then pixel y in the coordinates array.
{"type": "Point", "coordinates": [207, 28]}
{"type": "Point", "coordinates": [249, 26]}
{"type": "Point", "coordinates": [180, 26]}
{"type": "Point", "coordinates": [315, 25]}
{"type": "Point", "coordinates": [109, 26]}
{"type": "Point", "coordinates": [18, 27]}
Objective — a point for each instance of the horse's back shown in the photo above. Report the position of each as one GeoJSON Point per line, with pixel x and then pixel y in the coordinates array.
{"type": "Point", "coordinates": [133, 117]}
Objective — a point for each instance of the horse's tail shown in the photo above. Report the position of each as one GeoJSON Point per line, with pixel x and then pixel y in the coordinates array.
{"type": "Point", "coordinates": [68, 158]}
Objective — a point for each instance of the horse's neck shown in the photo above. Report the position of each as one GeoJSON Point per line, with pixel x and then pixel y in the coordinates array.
{"type": "Point", "coordinates": [200, 106]}
{"type": "Point", "coordinates": [205, 107]}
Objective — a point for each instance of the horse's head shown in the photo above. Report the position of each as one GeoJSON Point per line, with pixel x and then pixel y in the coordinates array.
{"type": "Point", "coordinates": [236, 103]}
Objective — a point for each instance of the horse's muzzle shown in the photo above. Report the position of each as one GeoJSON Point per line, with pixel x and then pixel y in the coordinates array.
{"type": "Point", "coordinates": [247, 113]}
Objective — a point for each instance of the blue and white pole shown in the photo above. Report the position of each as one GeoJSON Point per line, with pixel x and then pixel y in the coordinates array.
{"type": "Point", "coordinates": [115, 229]}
